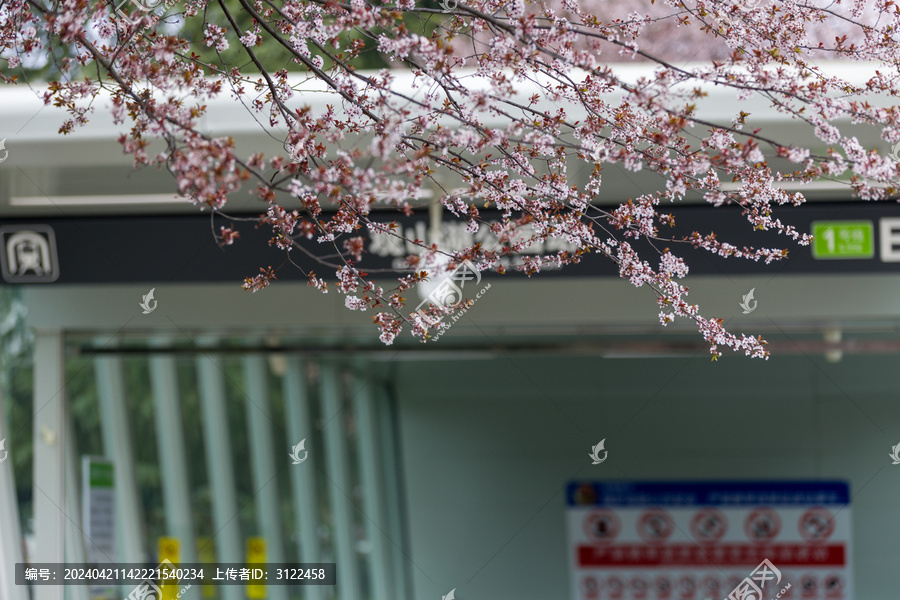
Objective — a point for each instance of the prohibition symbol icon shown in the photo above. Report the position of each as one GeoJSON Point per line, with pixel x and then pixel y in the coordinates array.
{"type": "Point", "coordinates": [709, 525]}
{"type": "Point", "coordinates": [663, 587]}
{"type": "Point", "coordinates": [816, 524]}
{"type": "Point", "coordinates": [655, 526]}
{"type": "Point", "coordinates": [732, 581]}
{"type": "Point", "coordinates": [710, 586]}
{"type": "Point", "coordinates": [686, 587]}
{"type": "Point", "coordinates": [834, 586]}
{"type": "Point", "coordinates": [639, 587]}
{"type": "Point", "coordinates": [590, 587]}
{"type": "Point", "coordinates": [616, 587]}
{"type": "Point", "coordinates": [808, 586]}
{"type": "Point", "coordinates": [762, 525]}
{"type": "Point", "coordinates": [602, 526]}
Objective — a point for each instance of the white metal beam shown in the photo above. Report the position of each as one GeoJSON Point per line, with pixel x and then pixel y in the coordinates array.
{"type": "Point", "coordinates": [372, 474]}
{"type": "Point", "coordinates": [75, 542]}
{"type": "Point", "coordinates": [217, 443]}
{"type": "Point", "coordinates": [10, 532]}
{"type": "Point", "coordinates": [303, 475]}
{"type": "Point", "coordinates": [393, 493]}
{"type": "Point", "coordinates": [49, 454]}
{"type": "Point", "coordinates": [341, 492]}
{"type": "Point", "coordinates": [117, 447]}
{"type": "Point", "coordinates": [265, 483]}
{"type": "Point", "coordinates": [173, 458]}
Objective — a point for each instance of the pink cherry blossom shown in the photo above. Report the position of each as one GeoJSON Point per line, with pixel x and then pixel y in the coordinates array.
{"type": "Point", "coordinates": [523, 108]}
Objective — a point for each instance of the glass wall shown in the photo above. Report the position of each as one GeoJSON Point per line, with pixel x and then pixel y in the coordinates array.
{"type": "Point", "coordinates": [224, 451]}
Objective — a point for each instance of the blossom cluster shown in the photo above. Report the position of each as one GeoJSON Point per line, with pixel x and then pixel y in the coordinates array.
{"type": "Point", "coordinates": [513, 106]}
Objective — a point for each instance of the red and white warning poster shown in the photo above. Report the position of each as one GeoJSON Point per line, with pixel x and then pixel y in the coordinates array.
{"type": "Point", "coordinates": [710, 540]}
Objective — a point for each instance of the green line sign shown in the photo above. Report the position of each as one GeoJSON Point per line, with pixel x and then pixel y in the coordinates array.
{"type": "Point", "coordinates": [843, 240]}
{"type": "Point", "coordinates": [98, 519]}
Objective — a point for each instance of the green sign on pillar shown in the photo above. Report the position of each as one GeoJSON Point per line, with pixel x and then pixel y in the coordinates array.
{"type": "Point", "coordinates": [843, 239]}
{"type": "Point", "coordinates": [98, 521]}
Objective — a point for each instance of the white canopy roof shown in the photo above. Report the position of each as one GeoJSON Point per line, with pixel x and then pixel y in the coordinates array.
{"type": "Point", "coordinates": [86, 172]}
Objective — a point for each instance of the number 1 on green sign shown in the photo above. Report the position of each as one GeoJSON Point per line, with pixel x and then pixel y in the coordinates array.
{"type": "Point", "coordinates": [836, 240]}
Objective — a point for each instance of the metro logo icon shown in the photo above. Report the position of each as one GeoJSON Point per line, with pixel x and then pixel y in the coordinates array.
{"type": "Point", "coordinates": [28, 254]}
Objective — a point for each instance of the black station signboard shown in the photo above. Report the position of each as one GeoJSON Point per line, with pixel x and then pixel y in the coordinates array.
{"type": "Point", "coordinates": [851, 237]}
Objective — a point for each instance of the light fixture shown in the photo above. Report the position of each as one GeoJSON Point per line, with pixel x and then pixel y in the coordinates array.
{"type": "Point", "coordinates": [833, 336]}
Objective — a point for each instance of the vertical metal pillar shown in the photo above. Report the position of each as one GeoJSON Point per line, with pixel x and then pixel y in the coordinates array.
{"type": "Point", "coordinates": [217, 444]}
{"type": "Point", "coordinates": [389, 436]}
{"type": "Point", "coordinates": [74, 529]}
{"type": "Point", "coordinates": [10, 533]}
{"type": "Point", "coordinates": [172, 457]}
{"type": "Point", "coordinates": [49, 454]}
{"type": "Point", "coordinates": [303, 476]}
{"type": "Point", "coordinates": [117, 447]}
{"type": "Point", "coordinates": [342, 488]}
{"type": "Point", "coordinates": [265, 483]}
{"type": "Point", "coordinates": [370, 461]}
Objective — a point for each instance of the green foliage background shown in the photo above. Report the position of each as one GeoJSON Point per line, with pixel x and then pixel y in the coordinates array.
{"type": "Point", "coordinates": [271, 54]}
